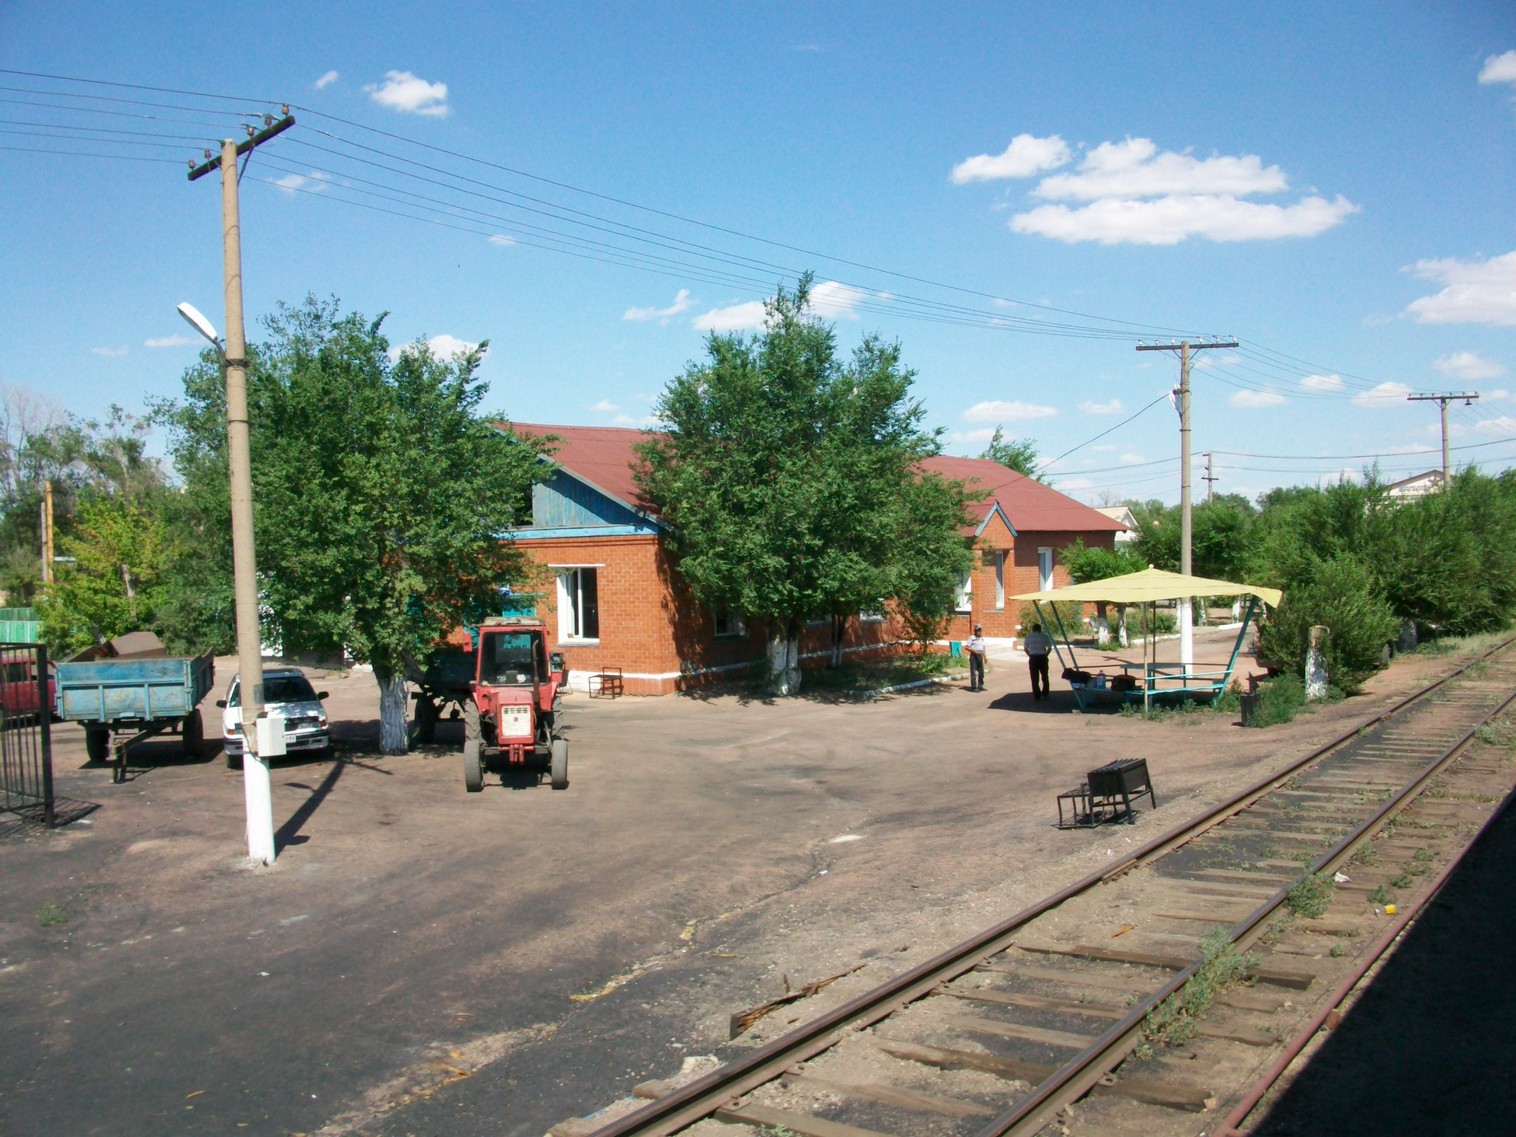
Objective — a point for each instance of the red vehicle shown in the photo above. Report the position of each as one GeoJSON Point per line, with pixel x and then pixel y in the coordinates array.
{"type": "Point", "coordinates": [513, 711]}
{"type": "Point", "coordinates": [21, 695]}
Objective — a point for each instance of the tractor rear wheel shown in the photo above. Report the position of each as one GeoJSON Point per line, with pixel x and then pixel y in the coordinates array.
{"type": "Point", "coordinates": [473, 767]}
{"type": "Point", "coordinates": [192, 733]}
{"type": "Point", "coordinates": [558, 768]}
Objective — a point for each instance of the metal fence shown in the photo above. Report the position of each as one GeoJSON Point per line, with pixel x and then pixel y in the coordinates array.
{"type": "Point", "coordinates": [26, 743]}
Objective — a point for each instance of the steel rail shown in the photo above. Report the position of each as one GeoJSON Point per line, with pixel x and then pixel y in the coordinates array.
{"type": "Point", "coordinates": [1377, 951]}
{"type": "Point", "coordinates": [699, 1098]}
{"type": "Point", "coordinates": [1073, 1079]}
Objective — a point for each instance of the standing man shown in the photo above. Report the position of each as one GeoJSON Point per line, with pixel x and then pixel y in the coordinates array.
{"type": "Point", "coordinates": [975, 648]}
{"type": "Point", "coordinates": [1038, 645]}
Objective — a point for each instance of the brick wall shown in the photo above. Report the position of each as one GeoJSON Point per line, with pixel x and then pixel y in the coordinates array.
{"type": "Point", "coordinates": [1021, 575]}
{"type": "Point", "coordinates": [650, 625]}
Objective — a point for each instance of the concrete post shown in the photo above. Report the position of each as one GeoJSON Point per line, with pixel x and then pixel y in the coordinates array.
{"type": "Point", "coordinates": [1315, 666]}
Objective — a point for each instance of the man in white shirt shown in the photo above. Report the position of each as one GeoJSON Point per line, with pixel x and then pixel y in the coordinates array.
{"type": "Point", "coordinates": [1038, 644]}
{"type": "Point", "coordinates": [975, 648]}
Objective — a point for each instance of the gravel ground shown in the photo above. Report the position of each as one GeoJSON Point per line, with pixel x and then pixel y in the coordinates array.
{"type": "Point", "coordinates": [426, 961]}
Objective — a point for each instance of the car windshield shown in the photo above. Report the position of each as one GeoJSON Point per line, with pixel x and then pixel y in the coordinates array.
{"type": "Point", "coordinates": [508, 658]}
{"type": "Point", "coordinates": [279, 689]}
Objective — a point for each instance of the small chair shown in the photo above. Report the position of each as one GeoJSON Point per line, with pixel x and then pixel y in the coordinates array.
{"type": "Point", "coordinates": [607, 681]}
{"type": "Point", "coordinates": [1080, 813]}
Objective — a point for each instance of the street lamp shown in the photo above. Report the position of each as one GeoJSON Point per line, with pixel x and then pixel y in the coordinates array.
{"type": "Point", "coordinates": [256, 784]}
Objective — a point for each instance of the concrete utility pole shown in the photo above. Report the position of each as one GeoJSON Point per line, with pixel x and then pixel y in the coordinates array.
{"type": "Point", "coordinates": [1468, 398]}
{"type": "Point", "coordinates": [1210, 478]}
{"type": "Point", "coordinates": [1186, 523]}
{"type": "Point", "coordinates": [256, 785]}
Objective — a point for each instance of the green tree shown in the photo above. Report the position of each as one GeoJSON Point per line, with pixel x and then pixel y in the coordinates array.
{"type": "Point", "coordinates": [791, 479]}
{"type": "Point", "coordinates": [1019, 454]}
{"type": "Point", "coordinates": [1086, 563]}
{"type": "Point", "coordinates": [382, 496]}
{"type": "Point", "coordinates": [1341, 594]}
{"type": "Point", "coordinates": [114, 584]}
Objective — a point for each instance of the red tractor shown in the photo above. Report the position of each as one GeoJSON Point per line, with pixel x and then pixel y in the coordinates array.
{"type": "Point", "coordinates": [513, 710]}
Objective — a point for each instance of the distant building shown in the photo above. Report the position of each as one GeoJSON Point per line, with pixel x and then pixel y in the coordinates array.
{"type": "Point", "coordinates": [1419, 485]}
{"type": "Point", "coordinates": [1124, 515]}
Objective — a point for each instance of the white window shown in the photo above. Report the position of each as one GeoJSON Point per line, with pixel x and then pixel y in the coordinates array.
{"type": "Point", "coordinates": [965, 600]}
{"type": "Point", "coordinates": [578, 604]}
{"type": "Point", "coordinates": [1044, 569]}
{"type": "Point", "coordinates": [729, 624]}
{"type": "Point", "coordinates": [872, 615]}
{"type": "Point", "coordinates": [999, 563]}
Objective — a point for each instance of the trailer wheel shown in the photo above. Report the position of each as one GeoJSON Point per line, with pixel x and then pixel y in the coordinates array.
{"type": "Point", "coordinates": [192, 734]}
{"type": "Point", "coordinates": [473, 767]}
{"type": "Point", "coordinates": [559, 766]}
{"type": "Point", "coordinates": [233, 761]}
{"type": "Point", "coordinates": [97, 743]}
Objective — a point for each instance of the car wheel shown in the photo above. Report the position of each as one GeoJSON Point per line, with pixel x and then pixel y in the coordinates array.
{"type": "Point", "coordinates": [97, 743]}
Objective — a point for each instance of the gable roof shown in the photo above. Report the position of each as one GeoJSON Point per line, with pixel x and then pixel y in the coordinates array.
{"type": "Point", "coordinates": [600, 456]}
{"type": "Point", "coordinates": [1027, 505]}
{"type": "Point", "coordinates": [603, 457]}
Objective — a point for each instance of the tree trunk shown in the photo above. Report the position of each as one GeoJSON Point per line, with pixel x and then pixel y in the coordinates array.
{"type": "Point", "coordinates": [393, 737]}
{"type": "Point", "coordinates": [839, 629]}
{"type": "Point", "coordinates": [1102, 625]}
{"type": "Point", "coordinates": [784, 658]}
{"type": "Point", "coordinates": [1121, 635]}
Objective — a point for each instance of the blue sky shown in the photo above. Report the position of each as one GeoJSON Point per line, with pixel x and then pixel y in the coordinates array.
{"type": "Point", "coordinates": [1017, 193]}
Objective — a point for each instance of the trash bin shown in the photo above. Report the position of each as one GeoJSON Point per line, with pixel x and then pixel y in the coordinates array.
{"type": "Point", "coordinates": [955, 648]}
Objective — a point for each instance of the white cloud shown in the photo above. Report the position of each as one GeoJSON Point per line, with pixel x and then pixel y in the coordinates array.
{"type": "Point", "coordinates": [110, 352]}
{"type": "Point", "coordinates": [605, 407]}
{"type": "Point", "coordinates": [1135, 168]}
{"type": "Point", "coordinates": [501, 239]}
{"type": "Point", "coordinates": [1467, 365]}
{"type": "Point", "coordinates": [1024, 157]}
{"type": "Point", "coordinates": [1130, 192]}
{"type": "Point", "coordinates": [1500, 393]}
{"type": "Point", "coordinates": [404, 92]}
{"type": "Point", "coordinates": [1499, 68]}
{"type": "Point", "coordinates": [442, 347]}
{"type": "Point", "coordinates": [999, 411]}
{"type": "Point", "coordinates": [682, 303]}
{"type": "Point", "coordinates": [1132, 459]}
{"type": "Point", "coordinates": [169, 341]}
{"type": "Point", "coordinates": [961, 437]}
{"type": "Point", "coordinates": [1474, 292]}
{"type": "Point", "coordinates": [313, 182]}
{"type": "Point", "coordinates": [1322, 382]}
{"type": "Point", "coordinates": [326, 80]}
{"type": "Point", "coordinates": [832, 299]}
{"type": "Point", "coordinates": [1504, 426]}
{"type": "Point", "coordinates": [1169, 220]}
{"type": "Point", "coordinates": [1251, 400]}
{"type": "Point", "coordinates": [1384, 395]}
{"type": "Point", "coordinates": [737, 318]}
{"type": "Point", "coordinates": [1111, 408]}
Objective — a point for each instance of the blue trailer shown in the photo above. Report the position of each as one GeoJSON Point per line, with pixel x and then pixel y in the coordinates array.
{"type": "Point", "coordinates": [137, 698]}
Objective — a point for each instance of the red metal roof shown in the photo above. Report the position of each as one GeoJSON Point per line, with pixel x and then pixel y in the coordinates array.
{"type": "Point", "coordinates": [1030, 506]}
{"type": "Point", "coordinates": [604, 457]}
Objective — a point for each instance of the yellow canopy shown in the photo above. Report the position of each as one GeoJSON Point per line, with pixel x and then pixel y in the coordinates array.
{"type": "Point", "coordinates": [1152, 584]}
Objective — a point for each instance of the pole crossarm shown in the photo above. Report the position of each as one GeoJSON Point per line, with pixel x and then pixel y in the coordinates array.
{"type": "Point", "coordinates": [277, 126]}
{"type": "Point", "coordinates": [1443, 399]}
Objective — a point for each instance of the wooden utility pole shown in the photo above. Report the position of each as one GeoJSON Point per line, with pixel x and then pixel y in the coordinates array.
{"type": "Point", "coordinates": [47, 532]}
{"type": "Point", "coordinates": [1186, 522]}
{"type": "Point", "coordinates": [1468, 398]}
{"type": "Point", "coordinates": [256, 783]}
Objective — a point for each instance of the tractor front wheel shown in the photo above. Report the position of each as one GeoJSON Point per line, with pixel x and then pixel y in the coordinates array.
{"type": "Point", "coordinates": [558, 767]}
{"type": "Point", "coordinates": [473, 767]}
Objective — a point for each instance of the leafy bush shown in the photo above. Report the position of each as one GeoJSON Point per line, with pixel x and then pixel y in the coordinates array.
{"type": "Point", "coordinates": [1340, 594]}
{"type": "Point", "coordinates": [1277, 701]}
{"type": "Point", "coordinates": [1071, 612]}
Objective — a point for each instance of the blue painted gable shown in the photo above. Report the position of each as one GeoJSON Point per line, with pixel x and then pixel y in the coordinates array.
{"type": "Point", "coordinates": [566, 503]}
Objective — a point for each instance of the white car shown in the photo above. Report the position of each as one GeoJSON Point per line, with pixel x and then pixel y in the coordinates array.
{"type": "Point", "coordinates": [286, 691]}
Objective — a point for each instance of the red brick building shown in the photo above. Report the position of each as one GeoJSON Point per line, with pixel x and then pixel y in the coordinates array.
{"type": "Point", "coordinates": [1020, 526]}
{"type": "Point", "coordinates": [611, 595]}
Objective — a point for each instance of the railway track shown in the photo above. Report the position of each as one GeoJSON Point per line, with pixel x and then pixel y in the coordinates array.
{"type": "Point", "coordinates": [1114, 1005]}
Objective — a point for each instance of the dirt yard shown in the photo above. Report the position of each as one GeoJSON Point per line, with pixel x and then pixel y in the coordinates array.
{"type": "Point", "coordinates": [422, 960]}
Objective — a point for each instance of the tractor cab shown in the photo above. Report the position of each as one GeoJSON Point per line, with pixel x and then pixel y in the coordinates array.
{"type": "Point", "coordinates": [514, 709]}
